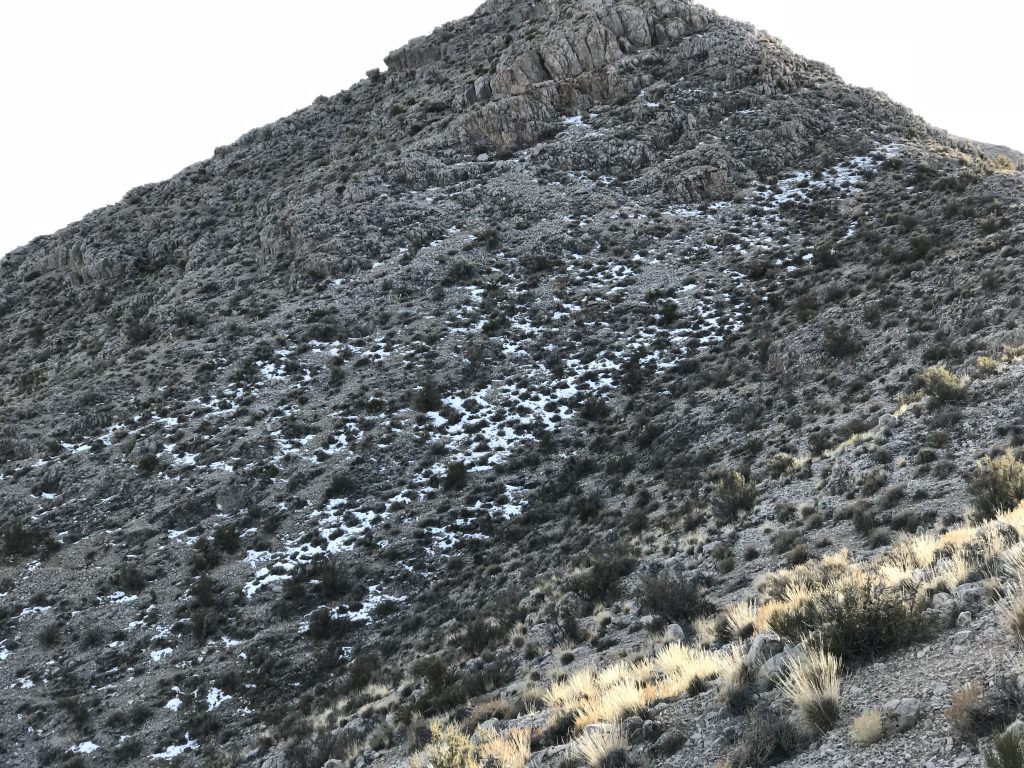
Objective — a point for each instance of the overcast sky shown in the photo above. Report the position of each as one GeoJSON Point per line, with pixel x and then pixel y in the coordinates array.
{"type": "Point", "coordinates": [102, 96]}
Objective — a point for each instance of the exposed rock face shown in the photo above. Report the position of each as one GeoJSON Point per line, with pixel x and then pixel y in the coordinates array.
{"type": "Point", "coordinates": [511, 360]}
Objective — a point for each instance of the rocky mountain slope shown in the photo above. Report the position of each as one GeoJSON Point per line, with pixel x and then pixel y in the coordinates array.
{"type": "Point", "coordinates": [568, 385]}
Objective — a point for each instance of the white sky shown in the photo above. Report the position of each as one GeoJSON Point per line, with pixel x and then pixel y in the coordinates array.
{"type": "Point", "coordinates": [99, 97]}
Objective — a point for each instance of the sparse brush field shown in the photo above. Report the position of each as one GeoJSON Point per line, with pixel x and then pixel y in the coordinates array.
{"type": "Point", "coordinates": [659, 404]}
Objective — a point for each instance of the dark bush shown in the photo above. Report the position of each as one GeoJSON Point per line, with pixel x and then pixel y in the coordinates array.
{"type": "Point", "coordinates": [734, 493]}
{"type": "Point", "coordinates": [997, 484]}
{"type": "Point", "coordinates": [674, 598]}
{"type": "Point", "coordinates": [856, 619]}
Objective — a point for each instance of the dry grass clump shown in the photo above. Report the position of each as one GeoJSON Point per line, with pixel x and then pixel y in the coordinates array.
{"type": "Point", "coordinates": [611, 704]}
{"type": "Point", "coordinates": [868, 727]}
{"type": "Point", "coordinates": [812, 687]}
{"type": "Point", "coordinates": [508, 750]}
{"type": "Point", "coordinates": [963, 709]}
{"type": "Point", "coordinates": [603, 697]}
{"type": "Point", "coordinates": [602, 747]}
{"type": "Point", "coordinates": [685, 669]}
{"type": "Point", "coordinates": [740, 619]}
{"type": "Point", "coordinates": [784, 464]}
{"type": "Point", "coordinates": [768, 737]}
{"type": "Point", "coordinates": [738, 679]}
{"type": "Point", "coordinates": [859, 610]}
{"type": "Point", "coordinates": [816, 573]}
{"type": "Point", "coordinates": [706, 630]}
{"type": "Point", "coordinates": [450, 747]}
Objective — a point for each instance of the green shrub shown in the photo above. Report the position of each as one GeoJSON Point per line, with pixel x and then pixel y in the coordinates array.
{"type": "Point", "coordinates": [997, 485]}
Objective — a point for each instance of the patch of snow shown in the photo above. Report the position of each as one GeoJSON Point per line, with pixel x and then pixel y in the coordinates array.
{"type": "Point", "coordinates": [175, 750]}
{"type": "Point", "coordinates": [215, 698]}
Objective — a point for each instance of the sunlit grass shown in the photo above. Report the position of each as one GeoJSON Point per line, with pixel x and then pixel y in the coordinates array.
{"type": "Point", "coordinates": [811, 684]}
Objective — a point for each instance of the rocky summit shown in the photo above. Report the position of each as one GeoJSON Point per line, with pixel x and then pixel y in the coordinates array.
{"type": "Point", "coordinates": [601, 384]}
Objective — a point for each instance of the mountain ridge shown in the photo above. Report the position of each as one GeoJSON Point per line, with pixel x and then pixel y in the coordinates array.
{"type": "Point", "coordinates": [581, 320]}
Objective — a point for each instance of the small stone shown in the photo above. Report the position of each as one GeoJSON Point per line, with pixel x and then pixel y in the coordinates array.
{"type": "Point", "coordinates": [964, 619]}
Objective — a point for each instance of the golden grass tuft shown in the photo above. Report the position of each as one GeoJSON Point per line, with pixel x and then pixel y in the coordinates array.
{"type": "Point", "coordinates": [450, 747]}
{"type": "Point", "coordinates": [683, 668]}
{"type": "Point", "coordinates": [611, 704]}
{"type": "Point", "coordinates": [507, 750]}
{"type": "Point", "coordinates": [599, 746]}
{"type": "Point", "coordinates": [567, 694]}
{"type": "Point", "coordinates": [740, 619]}
{"type": "Point", "coordinates": [706, 630]}
{"type": "Point", "coordinates": [811, 684]}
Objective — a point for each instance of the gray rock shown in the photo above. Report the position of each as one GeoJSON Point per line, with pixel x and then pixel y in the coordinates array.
{"type": "Point", "coordinates": [970, 597]}
{"type": "Point", "coordinates": [763, 646]}
{"type": "Point", "coordinates": [904, 713]}
{"type": "Point", "coordinates": [778, 665]}
{"type": "Point", "coordinates": [633, 727]}
{"type": "Point", "coordinates": [675, 633]}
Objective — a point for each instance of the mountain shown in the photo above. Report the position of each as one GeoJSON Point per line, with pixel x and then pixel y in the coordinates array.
{"type": "Point", "coordinates": [602, 377]}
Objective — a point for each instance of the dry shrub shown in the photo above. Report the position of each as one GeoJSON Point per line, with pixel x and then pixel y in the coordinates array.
{"type": "Point", "coordinates": [449, 747]}
{"type": "Point", "coordinates": [1007, 751]}
{"type": "Point", "coordinates": [857, 618]}
{"type": "Point", "coordinates": [997, 485]}
{"type": "Point", "coordinates": [1011, 613]}
{"type": "Point", "coordinates": [768, 738]}
{"type": "Point", "coordinates": [942, 386]}
{"type": "Point", "coordinates": [976, 712]}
